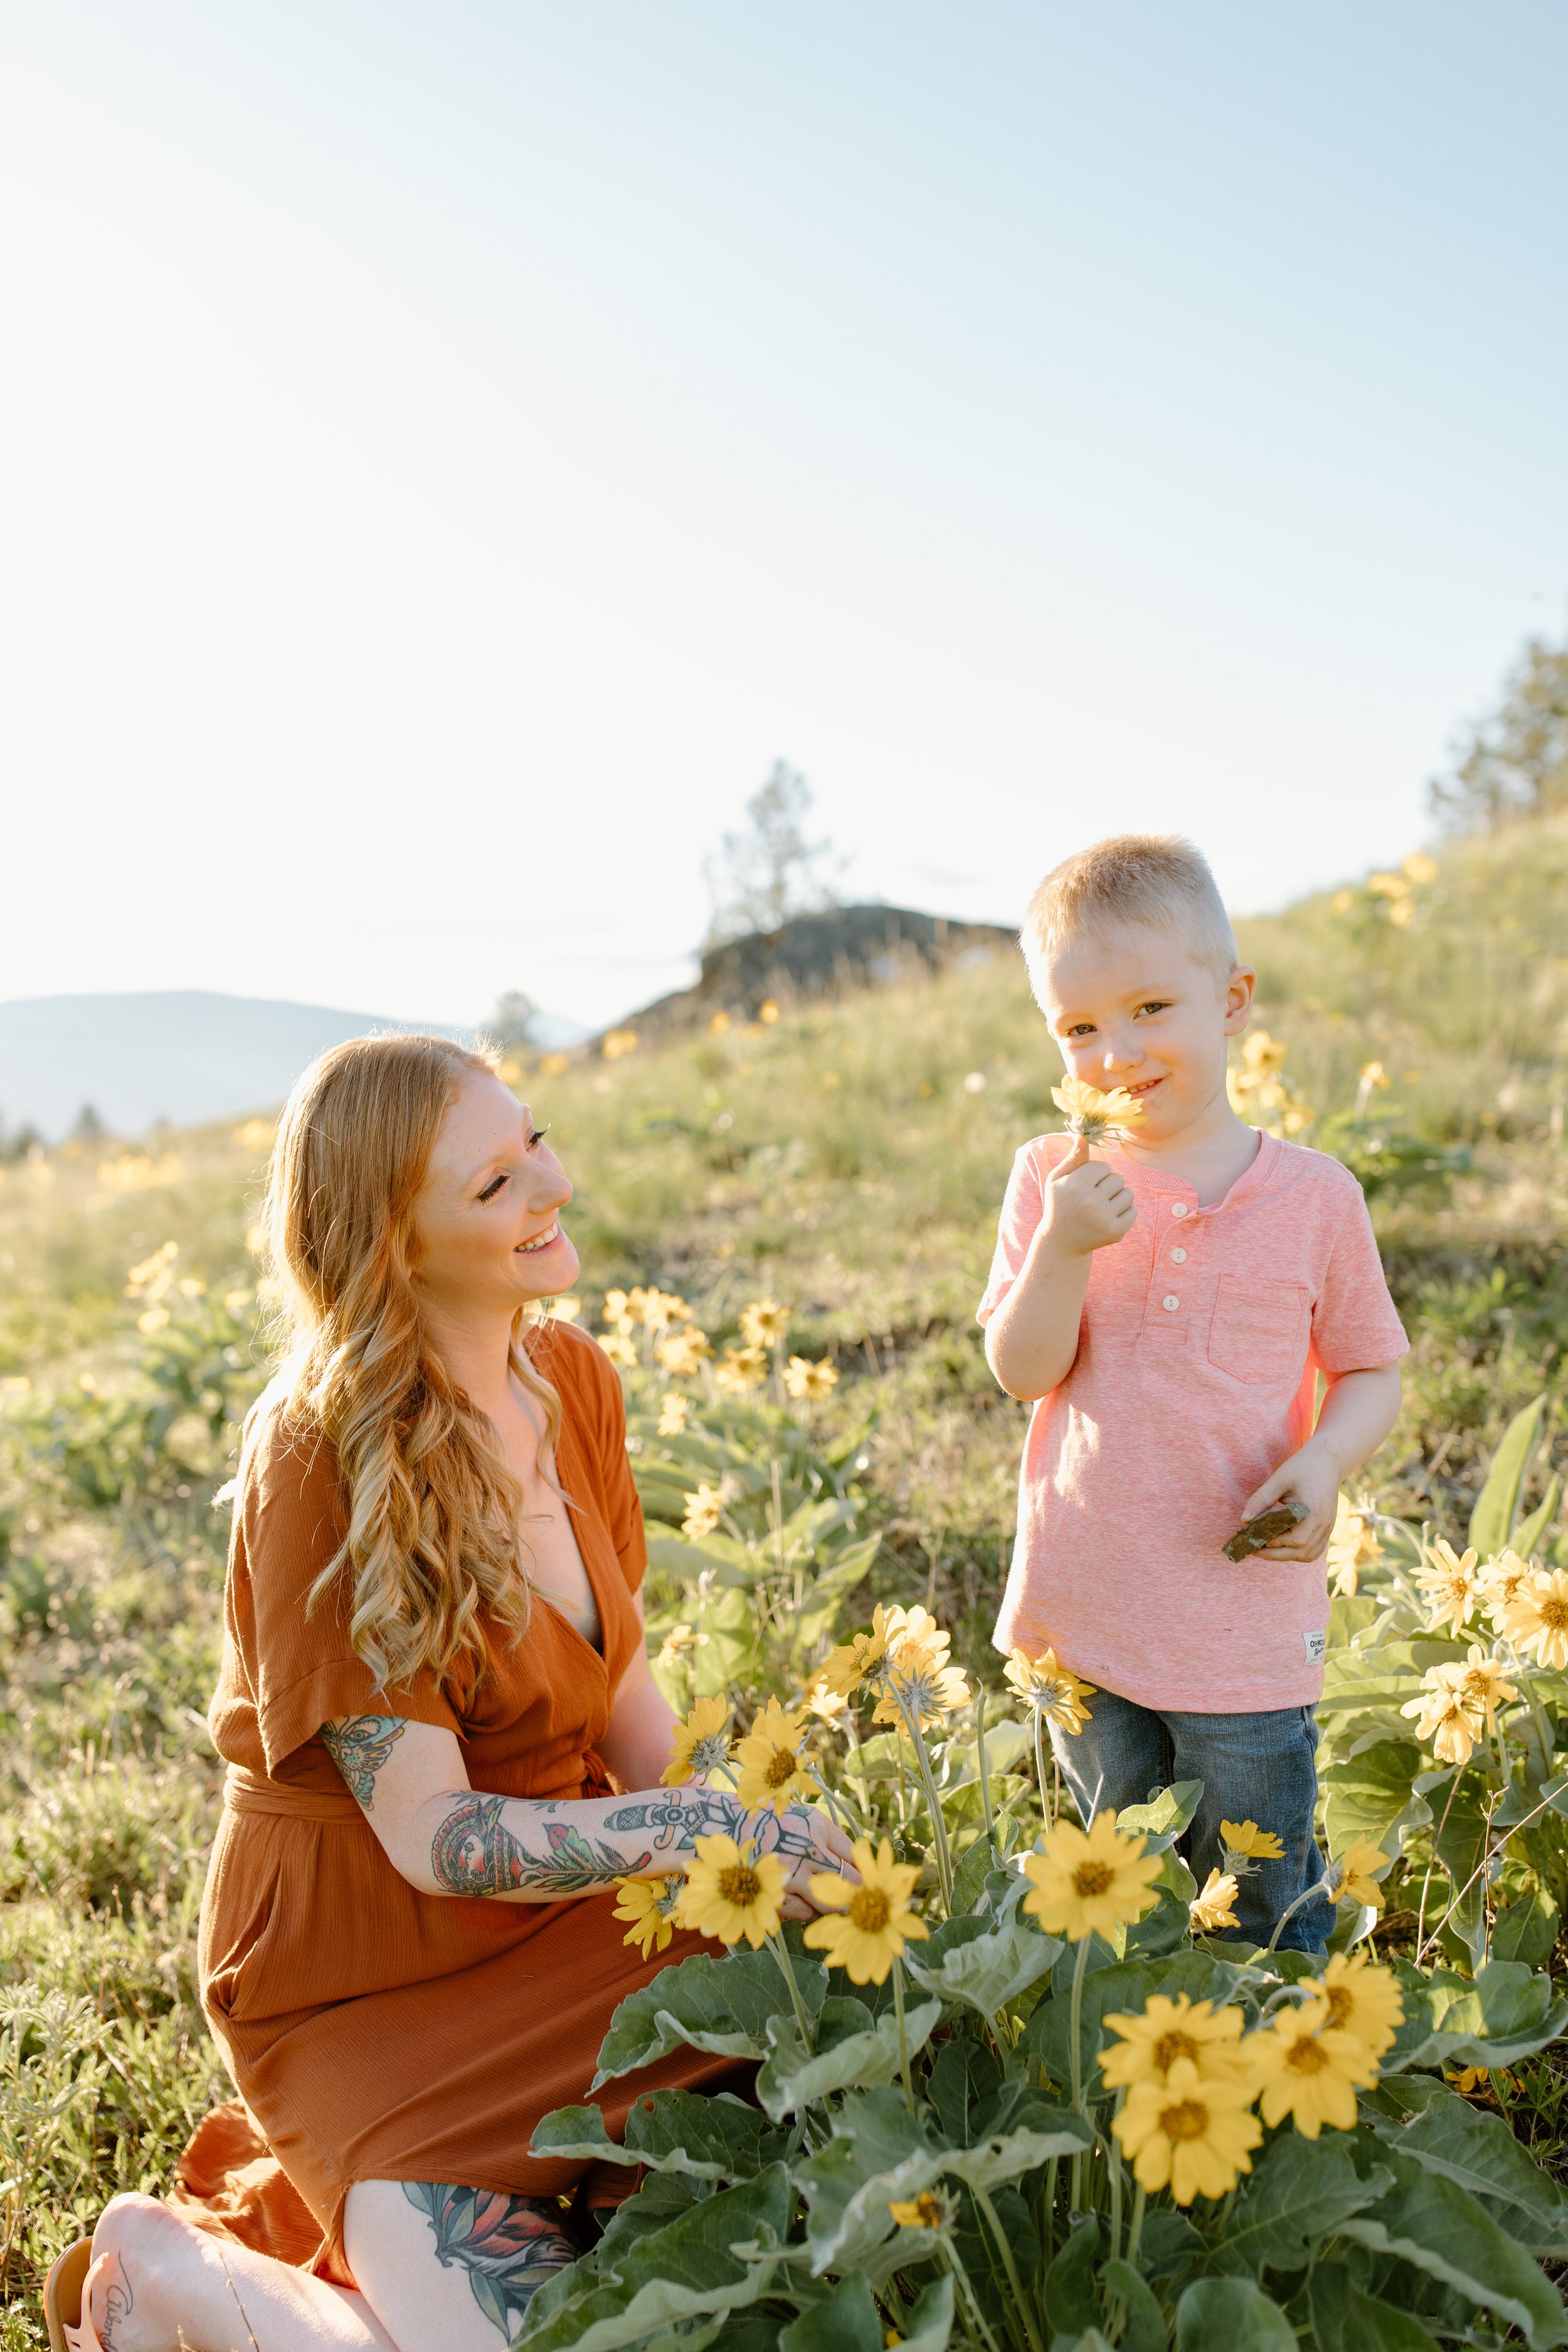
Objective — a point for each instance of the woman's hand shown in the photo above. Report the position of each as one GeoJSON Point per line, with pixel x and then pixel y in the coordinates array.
{"type": "Point", "coordinates": [807, 1839]}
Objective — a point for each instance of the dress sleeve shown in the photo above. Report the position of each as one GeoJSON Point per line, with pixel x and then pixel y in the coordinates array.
{"type": "Point", "coordinates": [1355, 1324]}
{"type": "Point", "coordinates": [1021, 1208]}
{"type": "Point", "coordinates": [299, 1660]}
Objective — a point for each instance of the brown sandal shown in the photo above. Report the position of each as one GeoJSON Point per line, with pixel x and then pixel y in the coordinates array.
{"type": "Point", "coordinates": [62, 2293]}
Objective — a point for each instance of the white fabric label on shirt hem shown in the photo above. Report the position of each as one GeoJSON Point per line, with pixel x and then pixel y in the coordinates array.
{"type": "Point", "coordinates": [1316, 1646]}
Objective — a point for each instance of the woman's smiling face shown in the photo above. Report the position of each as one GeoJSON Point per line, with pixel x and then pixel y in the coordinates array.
{"type": "Point", "coordinates": [1137, 1009]}
{"type": "Point", "coordinates": [487, 1217]}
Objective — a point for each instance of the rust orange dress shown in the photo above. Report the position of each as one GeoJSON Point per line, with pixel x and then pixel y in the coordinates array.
{"type": "Point", "coordinates": [376, 2033]}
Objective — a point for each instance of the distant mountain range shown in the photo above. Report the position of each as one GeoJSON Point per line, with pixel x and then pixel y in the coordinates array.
{"type": "Point", "coordinates": [181, 1054]}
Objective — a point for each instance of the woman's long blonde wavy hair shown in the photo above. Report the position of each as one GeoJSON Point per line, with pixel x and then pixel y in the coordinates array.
{"type": "Point", "coordinates": [433, 1509]}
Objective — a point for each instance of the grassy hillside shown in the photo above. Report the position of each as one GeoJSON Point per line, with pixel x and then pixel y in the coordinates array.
{"type": "Point", "coordinates": [846, 1160]}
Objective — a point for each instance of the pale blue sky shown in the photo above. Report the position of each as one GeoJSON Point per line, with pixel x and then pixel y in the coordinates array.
{"type": "Point", "coordinates": [451, 451]}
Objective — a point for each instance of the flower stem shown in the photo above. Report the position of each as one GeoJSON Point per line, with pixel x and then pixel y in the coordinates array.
{"type": "Point", "coordinates": [981, 2198]}
{"type": "Point", "coordinates": [1075, 2034]}
{"type": "Point", "coordinates": [1135, 2227]}
{"type": "Point", "coordinates": [1040, 1764]}
{"type": "Point", "coordinates": [961, 2276]}
{"type": "Point", "coordinates": [939, 1827]}
{"type": "Point", "coordinates": [781, 1949]}
{"type": "Point", "coordinates": [1432, 1862]}
{"type": "Point", "coordinates": [903, 2034]}
{"type": "Point", "coordinates": [1305, 1896]}
{"type": "Point", "coordinates": [980, 1756]}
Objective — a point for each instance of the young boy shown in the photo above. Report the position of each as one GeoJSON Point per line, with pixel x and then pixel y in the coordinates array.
{"type": "Point", "coordinates": [1167, 1306]}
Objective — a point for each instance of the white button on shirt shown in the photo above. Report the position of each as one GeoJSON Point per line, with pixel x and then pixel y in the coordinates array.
{"type": "Point", "coordinates": [1179, 1257]}
{"type": "Point", "coordinates": [1178, 1208]}
{"type": "Point", "coordinates": [1171, 1305]}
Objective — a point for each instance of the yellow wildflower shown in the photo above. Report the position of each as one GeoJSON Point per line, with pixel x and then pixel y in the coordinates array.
{"type": "Point", "coordinates": [1537, 1617]}
{"type": "Point", "coordinates": [618, 1348]}
{"type": "Point", "coordinates": [1092, 1115]}
{"type": "Point", "coordinates": [1310, 2070]}
{"type": "Point", "coordinates": [701, 1744]}
{"type": "Point", "coordinates": [1444, 1720]}
{"type": "Point", "coordinates": [234, 1302]}
{"type": "Point", "coordinates": [1353, 1546]}
{"type": "Point", "coordinates": [1479, 1685]}
{"type": "Point", "coordinates": [921, 1685]}
{"type": "Point", "coordinates": [812, 1383]}
{"type": "Point", "coordinates": [764, 1323]}
{"type": "Point", "coordinates": [742, 1369]}
{"type": "Point", "coordinates": [873, 1921]}
{"type": "Point", "coordinates": [860, 1659]}
{"type": "Point", "coordinates": [1263, 1057]}
{"type": "Point", "coordinates": [681, 1355]}
{"type": "Point", "coordinates": [1420, 866]}
{"type": "Point", "coordinates": [933, 2208]}
{"type": "Point", "coordinates": [1449, 1581]}
{"type": "Point", "coordinates": [673, 1409]}
{"type": "Point", "coordinates": [1165, 2031]}
{"type": "Point", "coordinates": [1188, 2135]}
{"type": "Point", "coordinates": [1352, 1873]}
{"type": "Point", "coordinates": [1361, 1998]}
{"type": "Point", "coordinates": [1501, 1581]}
{"type": "Point", "coordinates": [704, 1509]}
{"type": "Point", "coordinates": [732, 1891]}
{"type": "Point", "coordinates": [1215, 1906]}
{"type": "Point", "coordinates": [618, 1312]}
{"type": "Point", "coordinates": [824, 1702]}
{"type": "Point", "coordinates": [679, 1638]}
{"type": "Point", "coordinates": [152, 1320]}
{"type": "Point", "coordinates": [772, 1769]}
{"type": "Point", "coordinates": [1052, 1690]}
{"type": "Point", "coordinates": [1080, 1882]}
{"type": "Point", "coordinates": [1246, 1846]}
{"type": "Point", "coordinates": [650, 1904]}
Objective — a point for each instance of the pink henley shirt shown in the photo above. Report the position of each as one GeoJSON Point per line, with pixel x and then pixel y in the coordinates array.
{"type": "Point", "coordinates": [1203, 1331]}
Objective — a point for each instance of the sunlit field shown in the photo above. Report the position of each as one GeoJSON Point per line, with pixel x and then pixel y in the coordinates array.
{"type": "Point", "coordinates": [785, 1224]}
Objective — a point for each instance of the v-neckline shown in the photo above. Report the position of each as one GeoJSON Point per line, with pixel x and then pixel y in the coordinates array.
{"type": "Point", "coordinates": [601, 1656]}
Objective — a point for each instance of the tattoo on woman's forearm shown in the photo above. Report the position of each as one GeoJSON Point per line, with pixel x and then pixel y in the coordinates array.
{"type": "Point", "coordinates": [706, 1812]}
{"type": "Point", "coordinates": [474, 1852]}
{"type": "Point", "coordinates": [358, 1745]}
{"type": "Point", "coordinates": [508, 2245]}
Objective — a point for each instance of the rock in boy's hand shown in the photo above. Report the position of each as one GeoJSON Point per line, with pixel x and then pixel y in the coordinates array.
{"type": "Point", "coordinates": [1313, 1481]}
{"type": "Point", "coordinates": [1086, 1205]}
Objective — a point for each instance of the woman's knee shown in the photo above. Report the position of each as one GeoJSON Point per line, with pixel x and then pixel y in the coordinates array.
{"type": "Point", "coordinates": [133, 2224]}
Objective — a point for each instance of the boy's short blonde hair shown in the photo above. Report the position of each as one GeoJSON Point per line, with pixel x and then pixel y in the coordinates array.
{"type": "Point", "coordinates": [1155, 879]}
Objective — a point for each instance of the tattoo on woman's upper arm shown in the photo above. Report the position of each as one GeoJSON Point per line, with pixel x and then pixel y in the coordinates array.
{"type": "Point", "coordinates": [358, 1745]}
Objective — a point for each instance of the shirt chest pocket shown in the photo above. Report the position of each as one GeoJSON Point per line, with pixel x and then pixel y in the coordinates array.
{"type": "Point", "coordinates": [1260, 1329]}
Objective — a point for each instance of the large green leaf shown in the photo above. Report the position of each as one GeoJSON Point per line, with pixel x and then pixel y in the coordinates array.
{"type": "Point", "coordinates": [1008, 2155]}
{"type": "Point", "coordinates": [1300, 2191]}
{"type": "Point", "coordinates": [852, 2052]}
{"type": "Point", "coordinates": [1371, 1796]}
{"type": "Point", "coordinates": [1423, 2119]}
{"type": "Point", "coordinates": [965, 2077]}
{"type": "Point", "coordinates": [848, 2321]}
{"type": "Point", "coordinates": [686, 2270]}
{"type": "Point", "coordinates": [1527, 1929]}
{"type": "Point", "coordinates": [989, 1970]}
{"type": "Point", "coordinates": [1431, 2221]}
{"type": "Point", "coordinates": [1071, 2296]}
{"type": "Point", "coordinates": [1497, 1505]}
{"type": "Point", "coordinates": [1346, 2320]}
{"type": "Point", "coordinates": [1167, 1813]}
{"type": "Point", "coordinates": [1505, 2015]}
{"type": "Point", "coordinates": [929, 2326]}
{"type": "Point", "coordinates": [1355, 1681]}
{"type": "Point", "coordinates": [1146, 2328]}
{"type": "Point", "coordinates": [720, 2006]}
{"type": "Point", "coordinates": [1231, 2314]}
{"type": "Point", "coordinates": [1528, 1534]}
{"type": "Point", "coordinates": [850, 2184]}
{"type": "Point", "coordinates": [710, 2138]}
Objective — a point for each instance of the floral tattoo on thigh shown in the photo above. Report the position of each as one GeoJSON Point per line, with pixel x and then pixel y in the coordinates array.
{"type": "Point", "coordinates": [508, 2245]}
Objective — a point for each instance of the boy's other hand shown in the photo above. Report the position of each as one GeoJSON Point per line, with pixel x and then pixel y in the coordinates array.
{"type": "Point", "coordinates": [1087, 1204]}
{"type": "Point", "coordinates": [1313, 1480]}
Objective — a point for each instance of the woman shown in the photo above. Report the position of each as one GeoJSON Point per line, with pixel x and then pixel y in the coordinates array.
{"type": "Point", "coordinates": [443, 1737]}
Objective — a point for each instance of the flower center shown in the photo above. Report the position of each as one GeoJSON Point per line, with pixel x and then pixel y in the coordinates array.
{"type": "Point", "coordinates": [780, 1768]}
{"type": "Point", "coordinates": [929, 2209]}
{"type": "Point", "coordinates": [1187, 2120]}
{"type": "Point", "coordinates": [707, 1753]}
{"type": "Point", "coordinates": [1339, 2004]}
{"type": "Point", "coordinates": [740, 1886]}
{"type": "Point", "coordinates": [1093, 1878]}
{"type": "Point", "coordinates": [1172, 2046]}
{"type": "Point", "coordinates": [869, 1910]}
{"type": "Point", "coordinates": [1554, 1615]}
{"type": "Point", "coordinates": [1308, 2056]}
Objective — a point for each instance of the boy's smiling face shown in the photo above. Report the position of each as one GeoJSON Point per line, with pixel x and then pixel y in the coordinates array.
{"type": "Point", "coordinates": [1136, 1008]}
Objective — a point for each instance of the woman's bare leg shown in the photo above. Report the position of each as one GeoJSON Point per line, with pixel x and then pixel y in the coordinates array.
{"type": "Point", "coordinates": [447, 2266]}
{"type": "Point", "coordinates": [168, 2285]}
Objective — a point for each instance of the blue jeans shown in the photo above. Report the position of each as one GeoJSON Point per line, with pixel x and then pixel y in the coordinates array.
{"type": "Point", "coordinates": [1257, 1768]}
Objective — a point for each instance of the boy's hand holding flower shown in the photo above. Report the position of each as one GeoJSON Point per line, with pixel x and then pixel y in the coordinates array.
{"type": "Point", "coordinates": [1087, 1204]}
